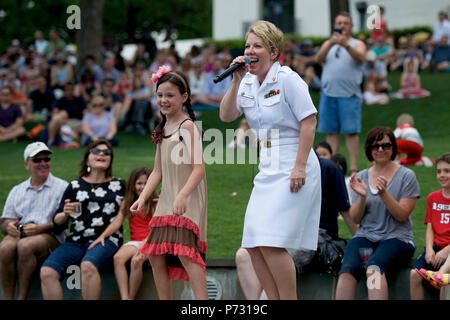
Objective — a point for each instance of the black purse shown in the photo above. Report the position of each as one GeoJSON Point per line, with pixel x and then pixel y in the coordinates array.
{"type": "Point", "coordinates": [329, 256]}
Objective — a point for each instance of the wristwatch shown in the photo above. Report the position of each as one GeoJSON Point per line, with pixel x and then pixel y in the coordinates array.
{"type": "Point", "coordinates": [347, 46]}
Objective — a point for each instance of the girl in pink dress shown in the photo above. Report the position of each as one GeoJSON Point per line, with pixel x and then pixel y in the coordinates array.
{"type": "Point", "coordinates": [410, 82]}
{"type": "Point", "coordinates": [176, 244]}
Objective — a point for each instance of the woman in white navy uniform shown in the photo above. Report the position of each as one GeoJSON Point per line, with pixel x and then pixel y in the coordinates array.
{"type": "Point", "coordinates": [284, 207]}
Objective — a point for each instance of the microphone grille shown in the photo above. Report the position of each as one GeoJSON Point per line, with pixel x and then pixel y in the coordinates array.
{"type": "Point", "coordinates": [247, 59]}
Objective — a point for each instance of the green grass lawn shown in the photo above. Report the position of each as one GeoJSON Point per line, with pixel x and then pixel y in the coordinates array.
{"type": "Point", "coordinates": [229, 185]}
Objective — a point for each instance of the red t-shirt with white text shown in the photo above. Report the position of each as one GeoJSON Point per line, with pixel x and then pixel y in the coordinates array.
{"type": "Point", "coordinates": [438, 214]}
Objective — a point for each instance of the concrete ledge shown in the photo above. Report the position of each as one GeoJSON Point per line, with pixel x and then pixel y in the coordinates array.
{"type": "Point", "coordinates": [222, 275]}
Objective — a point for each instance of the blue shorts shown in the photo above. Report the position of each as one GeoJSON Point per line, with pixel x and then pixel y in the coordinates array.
{"type": "Point", "coordinates": [339, 115]}
{"type": "Point", "coordinates": [389, 256]}
{"type": "Point", "coordinates": [422, 263]}
{"type": "Point", "coordinates": [71, 253]}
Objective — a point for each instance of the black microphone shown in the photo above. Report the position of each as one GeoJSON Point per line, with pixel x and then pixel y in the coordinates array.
{"type": "Point", "coordinates": [232, 69]}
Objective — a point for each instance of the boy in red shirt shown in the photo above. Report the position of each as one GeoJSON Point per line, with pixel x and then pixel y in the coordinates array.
{"type": "Point", "coordinates": [437, 241]}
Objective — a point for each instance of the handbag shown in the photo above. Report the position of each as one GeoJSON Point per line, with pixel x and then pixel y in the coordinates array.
{"type": "Point", "coordinates": [329, 255]}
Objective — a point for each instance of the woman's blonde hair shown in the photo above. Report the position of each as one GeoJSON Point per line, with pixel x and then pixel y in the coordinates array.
{"type": "Point", "coordinates": [405, 118]}
{"type": "Point", "coordinates": [271, 36]}
{"type": "Point", "coordinates": [98, 100]}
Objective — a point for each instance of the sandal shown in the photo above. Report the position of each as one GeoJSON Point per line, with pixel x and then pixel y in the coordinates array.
{"type": "Point", "coordinates": [426, 274]}
{"type": "Point", "coordinates": [441, 279]}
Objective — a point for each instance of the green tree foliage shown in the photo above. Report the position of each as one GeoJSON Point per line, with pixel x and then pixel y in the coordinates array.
{"type": "Point", "coordinates": [20, 18]}
{"type": "Point", "coordinates": [122, 19]}
{"type": "Point", "coordinates": [186, 18]}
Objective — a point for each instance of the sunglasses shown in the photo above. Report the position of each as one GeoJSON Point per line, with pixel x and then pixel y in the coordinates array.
{"type": "Point", "coordinates": [97, 151]}
{"type": "Point", "coordinates": [336, 54]}
{"type": "Point", "coordinates": [39, 160]}
{"type": "Point", "coordinates": [384, 146]}
{"type": "Point", "coordinates": [97, 105]}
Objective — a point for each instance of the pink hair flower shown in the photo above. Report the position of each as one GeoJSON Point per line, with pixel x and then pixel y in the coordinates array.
{"type": "Point", "coordinates": [160, 72]}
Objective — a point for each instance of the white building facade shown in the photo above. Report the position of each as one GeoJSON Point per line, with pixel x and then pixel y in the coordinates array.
{"type": "Point", "coordinates": [231, 18]}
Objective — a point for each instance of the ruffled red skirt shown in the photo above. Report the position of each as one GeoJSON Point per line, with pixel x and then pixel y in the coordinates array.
{"type": "Point", "coordinates": [175, 236]}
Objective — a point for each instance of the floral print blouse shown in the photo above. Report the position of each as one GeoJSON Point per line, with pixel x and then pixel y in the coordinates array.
{"type": "Point", "coordinates": [100, 205]}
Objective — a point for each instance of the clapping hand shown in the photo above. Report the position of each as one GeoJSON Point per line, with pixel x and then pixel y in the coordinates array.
{"type": "Point", "coordinates": [358, 185]}
{"type": "Point", "coordinates": [380, 184]}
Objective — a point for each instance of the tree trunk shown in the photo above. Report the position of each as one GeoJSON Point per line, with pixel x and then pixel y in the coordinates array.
{"type": "Point", "coordinates": [89, 36]}
{"type": "Point", "coordinates": [337, 6]}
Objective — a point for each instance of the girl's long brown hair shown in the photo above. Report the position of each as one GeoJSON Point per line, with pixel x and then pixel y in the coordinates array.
{"type": "Point", "coordinates": [130, 192]}
{"type": "Point", "coordinates": [179, 79]}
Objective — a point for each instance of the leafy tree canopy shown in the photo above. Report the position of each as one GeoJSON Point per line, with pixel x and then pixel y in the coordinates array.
{"type": "Point", "coordinates": [122, 19]}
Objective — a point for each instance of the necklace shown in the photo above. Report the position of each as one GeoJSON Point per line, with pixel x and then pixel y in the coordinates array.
{"type": "Point", "coordinates": [94, 186]}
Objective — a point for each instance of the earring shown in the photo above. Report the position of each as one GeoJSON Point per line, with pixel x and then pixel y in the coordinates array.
{"type": "Point", "coordinates": [88, 169]}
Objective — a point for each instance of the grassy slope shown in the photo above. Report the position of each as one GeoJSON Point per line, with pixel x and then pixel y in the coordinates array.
{"type": "Point", "coordinates": [229, 186]}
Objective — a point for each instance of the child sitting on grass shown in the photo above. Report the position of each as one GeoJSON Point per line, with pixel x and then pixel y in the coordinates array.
{"type": "Point", "coordinates": [410, 82]}
{"type": "Point", "coordinates": [410, 142]}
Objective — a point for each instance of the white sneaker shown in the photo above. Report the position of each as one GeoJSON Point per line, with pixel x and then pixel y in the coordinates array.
{"type": "Point", "coordinates": [427, 162]}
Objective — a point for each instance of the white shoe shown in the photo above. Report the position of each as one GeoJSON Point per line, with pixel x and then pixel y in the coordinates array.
{"type": "Point", "coordinates": [427, 162]}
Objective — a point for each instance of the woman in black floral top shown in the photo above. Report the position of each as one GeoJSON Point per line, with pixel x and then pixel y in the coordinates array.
{"type": "Point", "coordinates": [99, 194]}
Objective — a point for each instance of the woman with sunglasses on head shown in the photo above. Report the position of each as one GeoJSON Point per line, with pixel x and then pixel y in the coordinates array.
{"type": "Point", "coordinates": [90, 203]}
{"type": "Point", "coordinates": [383, 199]}
{"type": "Point", "coordinates": [98, 123]}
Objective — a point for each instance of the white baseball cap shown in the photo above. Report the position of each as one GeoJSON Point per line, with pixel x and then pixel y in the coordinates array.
{"type": "Point", "coordinates": [34, 148]}
{"type": "Point", "coordinates": [371, 56]}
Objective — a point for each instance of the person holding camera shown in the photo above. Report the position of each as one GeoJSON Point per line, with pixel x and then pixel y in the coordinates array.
{"type": "Point", "coordinates": [26, 222]}
{"type": "Point", "coordinates": [341, 98]}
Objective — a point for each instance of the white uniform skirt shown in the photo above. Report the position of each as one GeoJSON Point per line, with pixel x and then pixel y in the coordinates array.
{"type": "Point", "coordinates": [277, 217]}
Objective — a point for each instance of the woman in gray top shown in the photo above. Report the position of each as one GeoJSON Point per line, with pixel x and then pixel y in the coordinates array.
{"type": "Point", "coordinates": [383, 199]}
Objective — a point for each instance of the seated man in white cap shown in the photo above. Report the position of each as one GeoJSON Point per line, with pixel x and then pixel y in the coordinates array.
{"type": "Point", "coordinates": [26, 222]}
{"type": "Point", "coordinates": [373, 65]}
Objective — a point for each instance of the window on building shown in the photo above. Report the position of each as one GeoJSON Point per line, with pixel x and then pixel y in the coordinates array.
{"type": "Point", "coordinates": [280, 13]}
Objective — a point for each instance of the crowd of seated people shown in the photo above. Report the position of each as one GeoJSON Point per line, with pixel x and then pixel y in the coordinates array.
{"type": "Point", "coordinates": [45, 87]}
{"type": "Point", "coordinates": [37, 76]}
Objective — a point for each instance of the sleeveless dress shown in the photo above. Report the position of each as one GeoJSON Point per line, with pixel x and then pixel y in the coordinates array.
{"type": "Point", "coordinates": [411, 89]}
{"type": "Point", "coordinates": [183, 235]}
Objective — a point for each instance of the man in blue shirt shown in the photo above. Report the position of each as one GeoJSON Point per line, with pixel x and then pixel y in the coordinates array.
{"type": "Point", "coordinates": [441, 55]}
{"type": "Point", "coordinates": [212, 93]}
